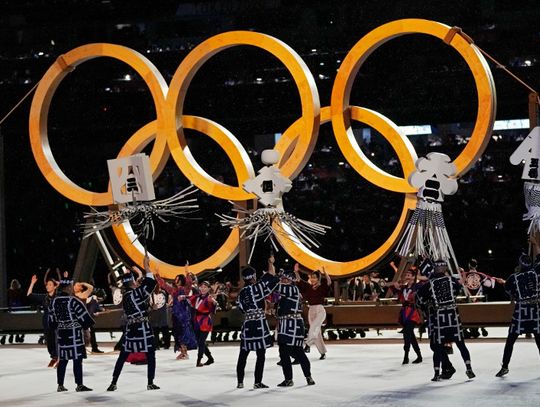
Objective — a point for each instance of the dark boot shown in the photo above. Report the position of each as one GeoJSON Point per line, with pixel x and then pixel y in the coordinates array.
{"type": "Point", "coordinates": [448, 373]}
{"type": "Point", "coordinates": [286, 383]}
{"type": "Point", "coordinates": [503, 372]}
{"type": "Point", "coordinates": [405, 359]}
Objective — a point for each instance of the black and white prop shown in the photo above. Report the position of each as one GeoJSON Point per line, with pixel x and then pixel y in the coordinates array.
{"type": "Point", "coordinates": [426, 233]}
{"type": "Point", "coordinates": [133, 193]}
{"type": "Point", "coordinates": [269, 187]}
{"type": "Point", "coordinates": [528, 153]}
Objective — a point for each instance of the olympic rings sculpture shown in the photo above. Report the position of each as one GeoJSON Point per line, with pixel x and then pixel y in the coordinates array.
{"type": "Point", "coordinates": [295, 145]}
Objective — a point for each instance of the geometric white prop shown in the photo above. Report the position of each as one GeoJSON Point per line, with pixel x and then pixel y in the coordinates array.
{"type": "Point", "coordinates": [131, 179]}
{"type": "Point", "coordinates": [528, 153]}
{"type": "Point", "coordinates": [432, 177]}
{"type": "Point", "coordinates": [269, 187]}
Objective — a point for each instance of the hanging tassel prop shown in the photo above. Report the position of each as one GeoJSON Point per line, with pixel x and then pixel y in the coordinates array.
{"type": "Point", "coordinates": [426, 234]}
{"type": "Point", "coordinates": [133, 194]}
{"type": "Point", "coordinates": [142, 215]}
{"type": "Point", "coordinates": [269, 187]}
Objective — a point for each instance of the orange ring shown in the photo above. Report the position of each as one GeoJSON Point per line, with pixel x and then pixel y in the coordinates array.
{"type": "Point", "coordinates": [39, 139]}
{"type": "Point", "coordinates": [309, 98]}
{"type": "Point", "coordinates": [341, 121]}
{"type": "Point", "coordinates": [126, 236]}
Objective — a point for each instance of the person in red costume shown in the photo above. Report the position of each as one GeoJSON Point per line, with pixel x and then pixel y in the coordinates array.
{"type": "Point", "coordinates": [409, 317]}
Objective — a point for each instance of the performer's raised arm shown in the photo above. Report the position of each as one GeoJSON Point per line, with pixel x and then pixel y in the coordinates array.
{"type": "Point", "coordinates": [327, 276]}
{"type": "Point", "coordinates": [31, 286]}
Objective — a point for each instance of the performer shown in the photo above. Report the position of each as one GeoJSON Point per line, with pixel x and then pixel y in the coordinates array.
{"type": "Point", "coordinates": [44, 300]}
{"type": "Point", "coordinates": [291, 329]}
{"type": "Point", "coordinates": [314, 293]}
{"type": "Point", "coordinates": [204, 305]}
{"type": "Point", "coordinates": [409, 317]}
{"type": "Point", "coordinates": [524, 288]}
{"type": "Point", "coordinates": [184, 336]}
{"type": "Point", "coordinates": [68, 315]}
{"type": "Point", "coordinates": [444, 324]}
{"type": "Point", "coordinates": [255, 333]}
{"type": "Point", "coordinates": [138, 336]}
{"type": "Point", "coordinates": [159, 318]}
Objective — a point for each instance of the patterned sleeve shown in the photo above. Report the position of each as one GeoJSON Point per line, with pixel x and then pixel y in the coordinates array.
{"type": "Point", "coordinates": [422, 295]}
{"type": "Point", "coordinates": [239, 302]}
{"type": "Point", "coordinates": [148, 285]}
{"type": "Point", "coordinates": [265, 286]}
{"type": "Point", "coordinates": [51, 319]}
{"type": "Point", "coordinates": [81, 313]}
{"type": "Point", "coordinates": [508, 286]}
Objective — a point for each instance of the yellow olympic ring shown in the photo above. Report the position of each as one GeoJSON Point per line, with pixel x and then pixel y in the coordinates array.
{"type": "Point", "coordinates": [124, 233]}
{"type": "Point", "coordinates": [39, 112]}
{"type": "Point", "coordinates": [309, 98]}
{"type": "Point", "coordinates": [295, 145]}
{"type": "Point", "coordinates": [354, 60]}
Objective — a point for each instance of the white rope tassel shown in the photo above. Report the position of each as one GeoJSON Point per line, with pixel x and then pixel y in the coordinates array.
{"type": "Point", "coordinates": [259, 223]}
{"type": "Point", "coordinates": [426, 233]}
{"type": "Point", "coordinates": [531, 190]}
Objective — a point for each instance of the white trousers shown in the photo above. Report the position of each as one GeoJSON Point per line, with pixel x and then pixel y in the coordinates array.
{"type": "Point", "coordinates": [316, 317]}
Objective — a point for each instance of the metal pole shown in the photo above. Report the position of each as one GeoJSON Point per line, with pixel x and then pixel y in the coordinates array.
{"type": "Point", "coordinates": [3, 269]}
{"type": "Point", "coordinates": [533, 110]}
{"type": "Point", "coordinates": [534, 102]}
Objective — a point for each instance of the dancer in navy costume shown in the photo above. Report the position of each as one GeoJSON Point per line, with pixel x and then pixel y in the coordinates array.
{"type": "Point", "coordinates": [68, 316]}
{"type": "Point", "coordinates": [255, 335]}
{"type": "Point", "coordinates": [291, 329]}
{"type": "Point", "coordinates": [523, 286]}
{"type": "Point", "coordinates": [138, 333]}
{"type": "Point", "coordinates": [438, 294]}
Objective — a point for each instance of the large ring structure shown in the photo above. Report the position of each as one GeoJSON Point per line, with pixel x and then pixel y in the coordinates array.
{"type": "Point", "coordinates": [295, 145]}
